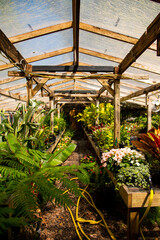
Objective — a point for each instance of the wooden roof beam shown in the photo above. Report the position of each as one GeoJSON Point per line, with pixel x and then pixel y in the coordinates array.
{"type": "Point", "coordinates": [118, 60]}
{"type": "Point", "coordinates": [141, 92]}
{"type": "Point", "coordinates": [111, 34]}
{"type": "Point", "coordinates": [41, 57]}
{"type": "Point", "coordinates": [41, 32]}
{"type": "Point", "coordinates": [11, 52]}
{"type": "Point", "coordinates": [143, 43]}
{"type": "Point", "coordinates": [76, 18]}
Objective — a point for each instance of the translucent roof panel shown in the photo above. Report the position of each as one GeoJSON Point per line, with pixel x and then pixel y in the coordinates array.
{"type": "Point", "coordinates": [45, 44]}
{"type": "Point", "coordinates": [20, 16]}
{"type": "Point", "coordinates": [125, 16]}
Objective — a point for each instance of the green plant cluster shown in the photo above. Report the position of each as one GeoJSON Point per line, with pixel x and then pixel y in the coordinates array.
{"type": "Point", "coordinates": [103, 137]}
{"type": "Point", "coordinates": [59, 124]}
{"type": "Point", "coordinates": [98, 175]}
{"type": "Point", "coordinates": [133, 176]}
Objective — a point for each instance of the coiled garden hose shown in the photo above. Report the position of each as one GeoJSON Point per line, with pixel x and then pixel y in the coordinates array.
{"type": "Point", "coordinates": [78, 221]}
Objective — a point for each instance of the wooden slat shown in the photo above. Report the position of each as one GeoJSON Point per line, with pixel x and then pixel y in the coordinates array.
{"type": "Point", "coordinates": [39, 86]}
{"type": "Point", "coordinates": [106, 86]}
{"type": "Point", "coordinates": [141, 92]}
{"type": "Point", "coordinates": [12, 95]}
{"type": "Point", "coordinates": [111, 34]}
{"type": "Point", "coordinates": [16, 87]}
{"type": "Point", "coordinates": [40, 32]}
{"type": "Point", "coordinates": [117, 60]}
{"type": "Point", "coordinates": [44, 86]}
{"type": "Point", "coordinates": [76, 18]}
{"type": "Point", "coordinates": [57, 83]}
{"type": "Point", "coordinates": [143, 43]}
{"type": "Point", "coordinates": [102, 89]}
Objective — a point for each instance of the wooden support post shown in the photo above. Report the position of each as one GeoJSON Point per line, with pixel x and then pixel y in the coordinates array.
{"type": "Point", "coordinates": [97, 118]}
{"type": "Point", "coordinates": [58, 110]}
{"type": "Point", "coordinates": [51, 100]}
{"type": "Point", "coordinates": [158, 45]}
{"type": "Point", "coordinates": [29, 90]}
{"type": "Point", "coordinates": [149, 112]}
{"type": "Point", "coordinates": [116, 112]}
{"type": "Point", "coordinates": [133, 224]}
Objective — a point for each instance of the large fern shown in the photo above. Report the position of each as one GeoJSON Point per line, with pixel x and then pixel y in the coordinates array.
{"type": "Point", "coordinates": [30, 176]}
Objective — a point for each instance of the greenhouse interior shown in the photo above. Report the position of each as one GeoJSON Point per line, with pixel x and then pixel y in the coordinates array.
{"type": "Point", "coordinates": [79, 119]}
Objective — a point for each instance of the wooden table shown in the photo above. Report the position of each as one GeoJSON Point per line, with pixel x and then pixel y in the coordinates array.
{"type": "Point", "coordinates": [134, 198]}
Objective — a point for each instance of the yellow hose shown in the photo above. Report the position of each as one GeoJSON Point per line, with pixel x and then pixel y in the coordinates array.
{"type": "Point", "coordinates": [146, 212]}
{"type": "Point", "coordinates": [91, 202]}
{"type": "Point", "coordinates": [81, 220]}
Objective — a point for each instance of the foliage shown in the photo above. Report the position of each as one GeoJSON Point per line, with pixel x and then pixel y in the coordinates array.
{"type": "Point", "coordinates": [126, 165]}
{"type": "Point", "coordinates": [133, 176]}
{"type": "Point", "coordinates": [149, 142]}
{"type": "Point", "coordinates": [98, 175]}
{"type": "Point", "coordinates": [59, 124]}
{"type": "Point", "coordinates": [103, 137]}
{"type": "Point", "coordinates": [29, 176]}
{"type": "Point", "coordinates": [88, 116]}
{"type": "Point", "coordinates": [28, 126]}
{"type": "Point", "coordinates": [91, 113]}
{"type": "Point", "coordinates": [106, 113]}
{"type": "Point", "coordinates": [7, 219]}
{"type": "Point", "coordinates": [124, 135]}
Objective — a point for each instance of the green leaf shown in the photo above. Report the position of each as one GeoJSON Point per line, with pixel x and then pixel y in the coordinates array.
{"type": "Point", "coordinates": [61, 156]}
{"type": "Point", "coordinates": [13, 143]}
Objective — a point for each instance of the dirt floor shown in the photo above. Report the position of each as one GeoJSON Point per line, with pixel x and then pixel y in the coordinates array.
{"type": "Point", "coordinates": [57, 223]}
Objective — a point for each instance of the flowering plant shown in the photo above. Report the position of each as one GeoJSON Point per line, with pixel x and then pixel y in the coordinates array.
{"type": "Point", "coordinates": [117, 158]}
{"type": "Point", "coordinates": [129, 167]}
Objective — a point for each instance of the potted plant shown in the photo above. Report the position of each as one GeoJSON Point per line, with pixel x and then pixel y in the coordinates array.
{"type": "Point", "coordinates": [128, 167]}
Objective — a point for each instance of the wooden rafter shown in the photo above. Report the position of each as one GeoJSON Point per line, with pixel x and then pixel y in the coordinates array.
{"type": "Point", "coordinates": [41, 32]}
{"type": "Point", "coordinates": [76, 18]}
{"type": "Point", "coordinates": [118, 60]}
{"type": "Point", "coordinates": [143, 43]}
{"type": "Point", "coordinates": [11, 52]}
{"type": "Point", "coordinates": [111, 34]}
{"type": "Point", "coordinates": [41, 57]}
{"type": "Point", "coordinates": [141, 92]}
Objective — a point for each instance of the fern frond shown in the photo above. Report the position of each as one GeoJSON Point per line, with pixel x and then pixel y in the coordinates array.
{"type": "Point", "coordinates": [9, 172]}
